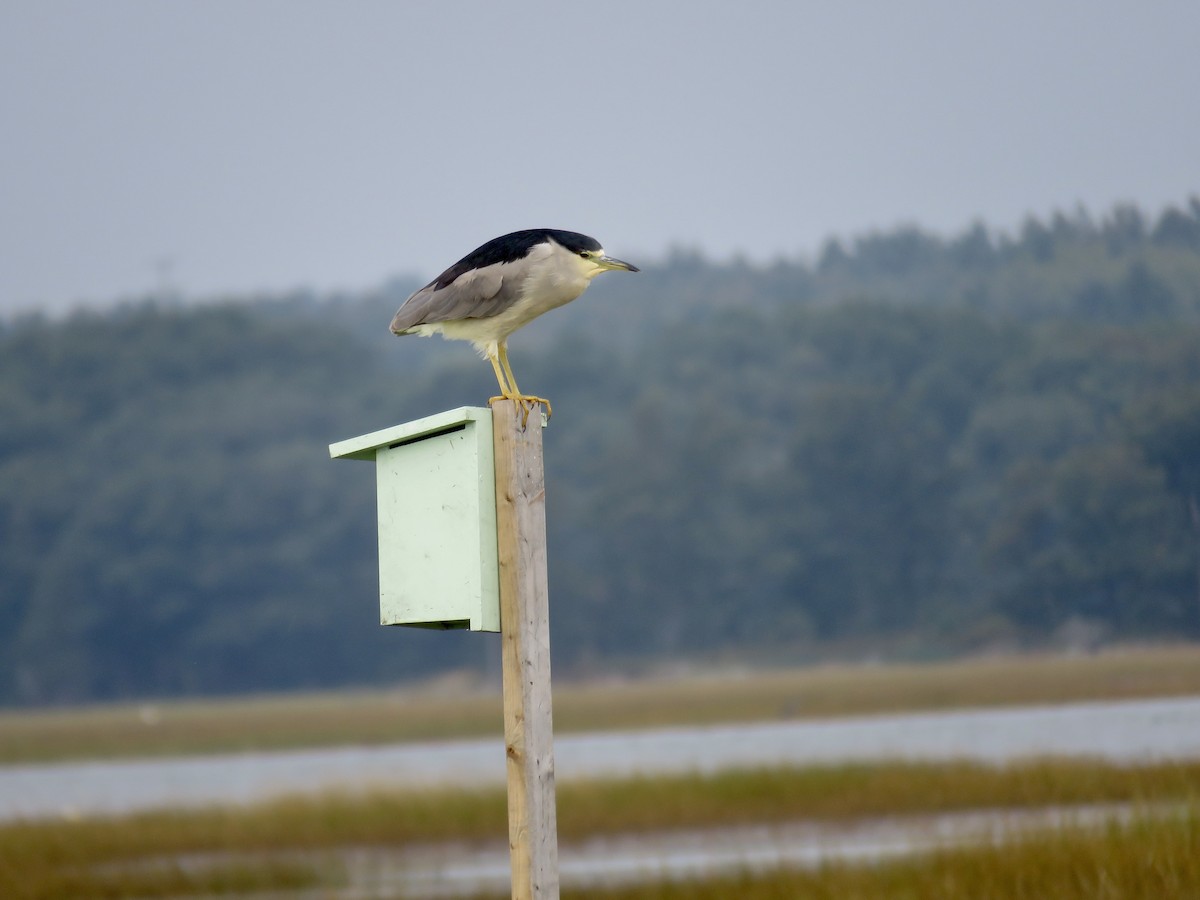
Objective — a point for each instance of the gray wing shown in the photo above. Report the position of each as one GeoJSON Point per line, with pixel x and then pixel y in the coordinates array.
{"type": "Point", "coordinates": [477, 294]}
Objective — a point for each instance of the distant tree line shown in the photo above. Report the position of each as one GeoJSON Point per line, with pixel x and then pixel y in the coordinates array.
{"type": "Point", "coordinates": [911, 440]}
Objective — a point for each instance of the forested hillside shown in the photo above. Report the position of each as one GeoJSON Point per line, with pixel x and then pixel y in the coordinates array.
{"type": "Point", "coordinates": [948, 441]}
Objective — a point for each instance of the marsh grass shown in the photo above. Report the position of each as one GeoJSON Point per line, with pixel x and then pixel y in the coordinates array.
{"type": "Point", "coordinates": [1147, 859]}
{"type": "Point", "coordinates": [243, 876]}
{"type": "Point", "coordinates": [858, 791]}
{"type": "Point", "coordinates": [433, 713]}
{"type": "Point", "coordinates": [289, 843]}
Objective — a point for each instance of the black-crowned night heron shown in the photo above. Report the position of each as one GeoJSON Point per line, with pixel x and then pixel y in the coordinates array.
{"type": "Point", "coordinates": [502, 286]}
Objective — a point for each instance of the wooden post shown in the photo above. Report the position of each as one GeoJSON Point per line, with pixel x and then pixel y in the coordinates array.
{"type": "Point", "coordinates": [525, 636]}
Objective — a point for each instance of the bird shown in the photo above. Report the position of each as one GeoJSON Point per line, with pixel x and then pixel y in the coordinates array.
{"type": "Point", "coordinates": [502, 286]}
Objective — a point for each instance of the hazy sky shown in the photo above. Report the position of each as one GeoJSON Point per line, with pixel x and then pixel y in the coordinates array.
{"type": "Point", "coordinates": [236, 146]}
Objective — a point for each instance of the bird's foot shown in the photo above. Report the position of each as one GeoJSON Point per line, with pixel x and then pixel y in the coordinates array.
{"type": "Point", "coordinates": [527, 402]}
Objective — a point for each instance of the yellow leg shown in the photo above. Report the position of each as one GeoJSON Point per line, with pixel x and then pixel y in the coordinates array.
{"type": "Point", "coordinates": [508, 372]}
{"type": "Point", "coordinates": [505, 390]}
{"type": "Point", "coordinates": [508, 385]}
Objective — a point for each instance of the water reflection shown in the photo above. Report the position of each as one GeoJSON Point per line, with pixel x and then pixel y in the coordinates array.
{"type": "Point", "coordinates": [1124, 731]}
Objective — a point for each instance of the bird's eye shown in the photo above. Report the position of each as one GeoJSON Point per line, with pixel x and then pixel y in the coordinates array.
{"type": "Point", "coordinates": [585, 254]}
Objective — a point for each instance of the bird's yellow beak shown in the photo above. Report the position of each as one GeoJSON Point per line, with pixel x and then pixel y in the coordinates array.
{"type": "Point", "coordinates": [608, 262]}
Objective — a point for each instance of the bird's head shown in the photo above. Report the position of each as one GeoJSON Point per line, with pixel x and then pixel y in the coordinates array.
{"type": "Point", "coordinates": [593, 259]}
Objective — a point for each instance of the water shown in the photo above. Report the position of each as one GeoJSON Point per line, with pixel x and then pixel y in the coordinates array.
{"type": "Point", "coordinates": [1131, 731]}
{"type": "Point", "coordinates": [457, 870]}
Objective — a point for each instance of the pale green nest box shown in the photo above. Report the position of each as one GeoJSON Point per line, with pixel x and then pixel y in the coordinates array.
{"type": "Point", "coordinates": [436, 489]}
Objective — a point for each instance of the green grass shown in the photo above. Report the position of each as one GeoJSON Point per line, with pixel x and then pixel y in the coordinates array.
{"type": "Point", "coordinates": [435, 712]}
{"type": "Point", "coordinates": [1149, 859]}
{"type": "Point", "coordinates": [293, 842]}
{"type": "Point", "coordinates": [163, 880]}
{"type": "Point", "coordinates": [859, 791]}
